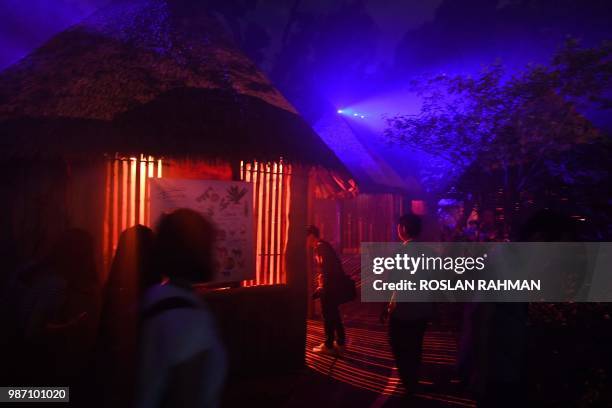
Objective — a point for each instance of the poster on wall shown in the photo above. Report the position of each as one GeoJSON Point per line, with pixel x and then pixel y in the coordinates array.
{"type": "Point", "coordinates": [228, 204]}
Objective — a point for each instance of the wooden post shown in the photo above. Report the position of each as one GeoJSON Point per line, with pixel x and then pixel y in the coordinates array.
{"type": "Point", "coordinates": [297, 263]}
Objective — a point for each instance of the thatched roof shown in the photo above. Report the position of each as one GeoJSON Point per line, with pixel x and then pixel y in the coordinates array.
{"type": "Point", "coordinates": [155, 76]}
{"type": "Point", "coordinates": [371, 170]}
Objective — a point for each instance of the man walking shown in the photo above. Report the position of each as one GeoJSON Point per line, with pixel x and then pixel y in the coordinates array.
{"type": "Point", "coordinates": [330, 277]}
{"type": "Point", "coordinates": [408, 321]}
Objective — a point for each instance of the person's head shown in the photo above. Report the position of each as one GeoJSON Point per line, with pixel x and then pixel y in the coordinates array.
{"type": "Point", "coordinates": [185, 246]}
{"type": "Point", "coordinates": [132, 266]}
{"type": "Point", "coordinates": [409, 227]}
{"type": "Point", "coordinates": [313, 235]}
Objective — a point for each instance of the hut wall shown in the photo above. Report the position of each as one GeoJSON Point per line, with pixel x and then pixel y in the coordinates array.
{"type": "Point", "coordinates": [272, 200]}
{"type": "Point", "coordinates": [41, 198]}
{"type": "Point", "coordinates": [369, 218]}
{"type": "Point", "coordinates": [31, 208]}
{"type": "Point", "coordinates": [263, 325]}
{"type": "Point", "coordinates": [297, 263]}
{"type": "Point", "coordinates": [85, 202]}
{"type": "Point", "coordinates": [126, 197]}
{"type": "Point", "coordinates": [258, 328]}
{"type": "Point", "coordinates": [326, 215]}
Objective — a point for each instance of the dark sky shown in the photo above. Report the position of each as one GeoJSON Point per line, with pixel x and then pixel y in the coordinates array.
{"type": "Point", "coordinates": [325, 55]}
{"type": "Point", "coordinates": [340, 52]}
{"type": "Point", "coordinates": [26, 24]}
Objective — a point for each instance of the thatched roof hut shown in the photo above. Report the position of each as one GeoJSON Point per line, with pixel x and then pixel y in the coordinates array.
{"type": "Point", "coordinates": [153, 77]}
{"type": "Point", "coordinates": [150, 75]}
{"type": "Point", "coordinates": [143, 86]}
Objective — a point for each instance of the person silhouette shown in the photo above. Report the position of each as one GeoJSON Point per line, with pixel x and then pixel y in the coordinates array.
{"type": "Point", "coordinates": [330, 287]}
{"type": "Point", "coordinates": [408, 321]}
{"type": "Point", "coordinates": [132, 272]}
{"type": "Point", "coordinates": [182, 359]}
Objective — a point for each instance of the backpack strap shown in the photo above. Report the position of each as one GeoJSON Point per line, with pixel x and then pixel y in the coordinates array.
{"type": "Point", "coordinates": [165, 305]}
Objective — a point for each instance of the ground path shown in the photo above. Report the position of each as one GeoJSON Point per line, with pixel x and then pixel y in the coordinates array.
{"type": "Point", "coordinates": [365, 376]}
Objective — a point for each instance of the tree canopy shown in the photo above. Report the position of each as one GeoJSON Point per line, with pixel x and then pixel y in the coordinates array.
{"type": "Point", "coordinates": [518, 131]}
